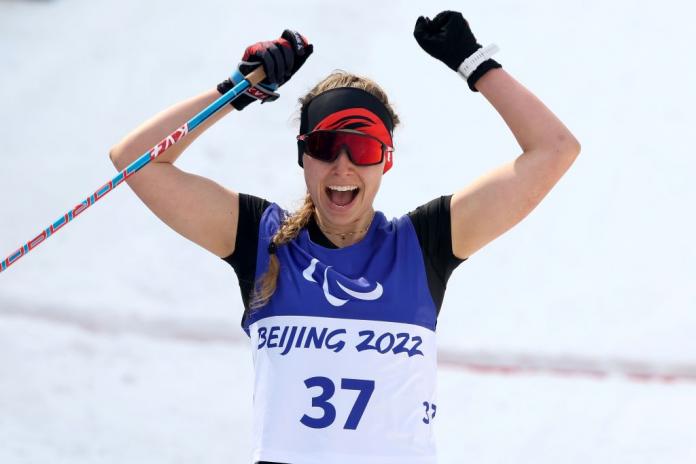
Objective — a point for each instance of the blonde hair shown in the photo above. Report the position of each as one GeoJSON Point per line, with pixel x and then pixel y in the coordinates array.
{"type": "Point", "coordinates": [266, 284]}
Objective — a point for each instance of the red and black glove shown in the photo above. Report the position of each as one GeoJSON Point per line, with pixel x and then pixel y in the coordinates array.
{"type": "Point", "coordinates": [280, 59]}
{"type": "Point", "coordinates": [448, 38]}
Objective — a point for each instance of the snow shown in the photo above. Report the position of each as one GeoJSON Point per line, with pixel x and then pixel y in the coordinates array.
{"type": "Point", "coordinates": [120, 340]}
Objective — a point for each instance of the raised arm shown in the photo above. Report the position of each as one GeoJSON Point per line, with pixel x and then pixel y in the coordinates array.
{"type": "Point", "coordinates": [501, 198]}
{"type": "Point", "coordinates": [194, 206]}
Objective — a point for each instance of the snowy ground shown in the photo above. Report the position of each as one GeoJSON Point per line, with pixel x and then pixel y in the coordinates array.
{"type": "Point", "coordinates": [119, 340]}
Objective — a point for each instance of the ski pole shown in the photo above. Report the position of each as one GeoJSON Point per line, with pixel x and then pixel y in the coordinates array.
{"type": "Point", "coordinates": [250, 80]}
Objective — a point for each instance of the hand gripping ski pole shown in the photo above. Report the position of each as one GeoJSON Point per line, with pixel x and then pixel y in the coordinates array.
{"type": "Point", "coordinates": [251, 79]}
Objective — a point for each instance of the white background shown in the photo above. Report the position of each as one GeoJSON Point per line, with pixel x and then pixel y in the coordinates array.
{"type": "Point", "coordinates": [119, 340]}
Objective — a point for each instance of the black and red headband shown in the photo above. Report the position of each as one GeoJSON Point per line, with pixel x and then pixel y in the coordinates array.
{"type": "Point", "coordinates": [347, 108]}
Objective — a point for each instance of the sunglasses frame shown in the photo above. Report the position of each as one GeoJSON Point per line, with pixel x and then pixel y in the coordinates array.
{"type": "Point", "coordinates": [385, 148]}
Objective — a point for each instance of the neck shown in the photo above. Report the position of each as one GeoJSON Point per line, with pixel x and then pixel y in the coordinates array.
{"type": "Point", "coordinates": [346, 234]}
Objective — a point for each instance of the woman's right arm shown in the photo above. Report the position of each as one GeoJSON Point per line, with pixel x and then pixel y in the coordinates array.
{"type": "Point", "coordinates": [194, 206]}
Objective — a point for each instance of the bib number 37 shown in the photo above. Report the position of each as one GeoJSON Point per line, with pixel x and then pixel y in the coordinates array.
{"type": "Point", "coordinates": [328, 388]}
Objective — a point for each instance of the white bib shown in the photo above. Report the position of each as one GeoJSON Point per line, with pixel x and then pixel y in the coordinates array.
{"type": "Point", "coordinates": [343, 391]}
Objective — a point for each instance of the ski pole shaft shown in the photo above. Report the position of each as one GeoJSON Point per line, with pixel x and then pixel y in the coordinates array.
{"type": "Point", "coordinates": [250, 80]}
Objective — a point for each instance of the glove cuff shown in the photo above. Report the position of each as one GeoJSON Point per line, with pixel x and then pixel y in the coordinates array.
{"type": "Point", "coordinates": [262, 92]}
{"type": "Point", "coordinates": [477, 64]}
{"type": "Point", "coordinates": [480, 71]}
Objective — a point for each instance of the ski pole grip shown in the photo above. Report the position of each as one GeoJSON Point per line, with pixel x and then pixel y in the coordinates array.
{"type": "Point", "coordinates": [256, 76]}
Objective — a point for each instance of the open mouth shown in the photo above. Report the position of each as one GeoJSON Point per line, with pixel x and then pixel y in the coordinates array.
{"type": "Point", "coordinates": [342, 195]}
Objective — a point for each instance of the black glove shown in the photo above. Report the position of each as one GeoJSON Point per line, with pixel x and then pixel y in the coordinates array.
{"type": "Point", "coordinates": [280, 59]}
{"type": "Point", "coordinates": [448, 38]}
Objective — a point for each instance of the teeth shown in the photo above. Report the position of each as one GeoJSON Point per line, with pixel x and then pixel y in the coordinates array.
{"type": "Point", "coordinates": [343, 188]}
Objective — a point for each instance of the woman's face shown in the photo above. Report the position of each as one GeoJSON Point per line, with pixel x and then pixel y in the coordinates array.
{"type": "Point", "coordinates": [342, 192]}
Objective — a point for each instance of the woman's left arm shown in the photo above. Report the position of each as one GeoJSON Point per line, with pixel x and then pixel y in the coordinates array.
{"type": "Point", "coordinates": [501, 198]}
{"type": "Point", "coordinates": [498, 200]}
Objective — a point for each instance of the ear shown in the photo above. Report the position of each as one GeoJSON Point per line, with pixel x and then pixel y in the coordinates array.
{"type": "Point", "coordinates": [388, 161]}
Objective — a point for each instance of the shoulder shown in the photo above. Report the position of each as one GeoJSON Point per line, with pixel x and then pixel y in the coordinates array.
{"type": "Point", "coordinates": [252, 206]}
{"type": "Point", "coordinates": [251, 211]}
{"type": "Point", "coordinates": [432, 221]}
{"type": "Point", "coordinates": [436, 209]}
{"type": "Point", "coordinates": [433, 225]}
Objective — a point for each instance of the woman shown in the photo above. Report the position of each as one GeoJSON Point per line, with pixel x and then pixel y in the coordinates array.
{"type": "Point", "coordinates": [341, 303]}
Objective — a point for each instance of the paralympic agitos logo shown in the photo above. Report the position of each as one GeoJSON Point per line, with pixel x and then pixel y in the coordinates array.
{"type": "Point", "coordinates": [352, 289]}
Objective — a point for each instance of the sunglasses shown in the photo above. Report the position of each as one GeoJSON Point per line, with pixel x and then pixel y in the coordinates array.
{"type": "Point", "coordinates": [326, 145]}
